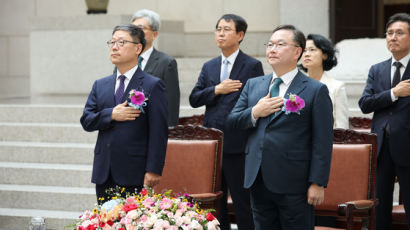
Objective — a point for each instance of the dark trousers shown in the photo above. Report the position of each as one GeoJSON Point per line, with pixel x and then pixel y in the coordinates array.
{"type": "Point", "coordinates": [387, 170]}
{"type": "Point", "coordinates": [233, 171]}
{"type": "Point", "coordinates": [275, 211]}
{"type": "Point", "coordinates": [104, 194]}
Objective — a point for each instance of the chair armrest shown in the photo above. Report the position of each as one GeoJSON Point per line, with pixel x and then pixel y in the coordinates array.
{"type": "Point", "coordinates": [206, 197]}
{"type": "Point", "coordinates": [356, 205]}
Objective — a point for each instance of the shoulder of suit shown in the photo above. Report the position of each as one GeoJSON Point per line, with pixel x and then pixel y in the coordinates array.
{"type": "Point", "coordinates": [107, 78]}
{"type": "Point", "coordinates": [163, 55]}
{"type": "Point", "coordinates": [213, 61]}
{"type": "Point", "coordinates": [382, 64]}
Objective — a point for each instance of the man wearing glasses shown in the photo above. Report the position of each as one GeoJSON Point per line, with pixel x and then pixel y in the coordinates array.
{"type": "Point", "coordinates": [387, 95]}
{"type": "Point", "coordinates": [157, 63]}
{"type": "Point", "coordinates": [131, 144]}
{"type": "Point", "coordinates": [288, 150]}
{"type": "Point", "coordinates": [218, 88]}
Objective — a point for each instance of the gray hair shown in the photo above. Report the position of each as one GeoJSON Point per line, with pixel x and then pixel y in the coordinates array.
{"type": "Point", "coordinates": [153, 18]}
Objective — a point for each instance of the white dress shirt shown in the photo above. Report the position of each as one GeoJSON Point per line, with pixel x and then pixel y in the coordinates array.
{"type": "Point", "coordinates": [146, 56]}
{"type": "Point", "coordinates": [403, 62]}
{"type": "Point", "coordinates": [128, 75]}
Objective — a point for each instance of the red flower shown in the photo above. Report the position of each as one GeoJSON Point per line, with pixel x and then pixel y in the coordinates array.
{"type": "Point", "coordinates": [210, 217]}
{"type": "Point", "coordinates": [110, 222]}
{"type": "Point", "coordinates": [144, 192]}
{"type": "Point", "coordinates": [130, 207]}
{"type": "Point", "coordinates": [121, 229]}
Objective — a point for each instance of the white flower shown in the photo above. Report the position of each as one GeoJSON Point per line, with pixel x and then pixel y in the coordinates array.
{"type": "Point", "coordinates": [195, 225]}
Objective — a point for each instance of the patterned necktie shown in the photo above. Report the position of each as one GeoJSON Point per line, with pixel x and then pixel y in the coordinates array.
{"type": "Point", "coordinates": [396, 76]}
{"type": "Point", "coordinates": [120, 91]}
{"type": "Point", "coordinates": [224, 74]}
{"type": "Point", "coordinates": [140, 61]}
{"type": "Point", "coordinates": [274, 91]}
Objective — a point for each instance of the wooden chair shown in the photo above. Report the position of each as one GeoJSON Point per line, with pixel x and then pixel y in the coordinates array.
{"type": "Point", "coordinates": [351, 192]}
{"type": "Point", "coordinates": [192, 120]}
{"type": "Point", "coordinates": [193, 164]}
{"type": "Point", "coordinates": [360, 124]}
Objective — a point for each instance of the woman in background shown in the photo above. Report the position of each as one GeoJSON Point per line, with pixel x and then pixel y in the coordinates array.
{"type": "Point", "coordinates": [318, 57]}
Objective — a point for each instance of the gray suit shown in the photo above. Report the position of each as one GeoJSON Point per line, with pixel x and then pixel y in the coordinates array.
{"type": "Point", "coordinates": [164, 67]}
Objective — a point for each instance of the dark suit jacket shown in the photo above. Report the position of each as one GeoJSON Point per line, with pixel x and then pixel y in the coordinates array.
{"type": "Point", "coordinates": [128, 149]}
{"type": "Point", "coordinates": [218, 108]}
{"type": "Point", "coordinates": [376, 98]}
{"type": "Point", "coordinates": [291, 150]}
{"type": "Point", "coordinates": [164, 67]}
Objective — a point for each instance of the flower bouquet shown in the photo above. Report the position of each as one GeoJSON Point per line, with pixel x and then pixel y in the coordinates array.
{"type": "Point", "coordinates": [148, 211]}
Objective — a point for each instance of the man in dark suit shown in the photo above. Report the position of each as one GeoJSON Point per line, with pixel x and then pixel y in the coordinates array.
{"type": "Point", "coordinates": [131, 144]}
{"type": "Point", "coordinates": [157, 63]}
{"type": "Point", "coordinates": [288, 153]}
{"type": "Point", "coordinates": [387, 95]}
{"type": "Point", "coordinates": [218, 88]}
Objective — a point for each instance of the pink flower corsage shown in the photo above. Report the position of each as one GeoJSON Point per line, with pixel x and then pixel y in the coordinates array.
{"type": "Point", "coordinates": [293, 105]}
{"type": "Point", "coordinates": [137, 100]}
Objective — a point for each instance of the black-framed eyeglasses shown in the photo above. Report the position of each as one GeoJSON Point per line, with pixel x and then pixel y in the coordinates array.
{"type": "Point", "coordinates": [279, 45]}
{"type": "Point", "coordinates": [223, 30]}
{"type": "Point", "coordinates": [119, 43]}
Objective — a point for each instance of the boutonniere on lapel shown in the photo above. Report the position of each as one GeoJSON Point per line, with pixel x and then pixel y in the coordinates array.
{"type": "Point", "coordinates": [293, 105]}
{"type": "Point", "coordinates": [137, 99]}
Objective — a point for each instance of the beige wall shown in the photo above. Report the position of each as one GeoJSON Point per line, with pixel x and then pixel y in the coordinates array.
{"type": "Point", "coordinates": [198, 15]}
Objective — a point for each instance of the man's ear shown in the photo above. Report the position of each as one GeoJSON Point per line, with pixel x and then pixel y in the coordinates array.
{"type": "Point", "coordinates": [241, 36]}
{"type": "Point", "coordinates": [155, 34]}
{"type": "Point", "coordinates": [138, 51]}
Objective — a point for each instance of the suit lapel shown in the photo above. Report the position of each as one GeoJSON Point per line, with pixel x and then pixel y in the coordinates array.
{"type": "Point", "coordinates": [386, 79]}
{"type": "Point", "coordinates": [237, 66]}
{"type": "Point", "coordinates": [215, 70]}
{"type": "Point", "coordinates": [110, 90]}
{"type": "Point", "coordinates": [296, 87]}
{"type": "Point", "coordinates": [406, 74]}
{"type": "Point", "coordinates": [135, 83]}
{"type": "Point", "coordinates": [152, 62]}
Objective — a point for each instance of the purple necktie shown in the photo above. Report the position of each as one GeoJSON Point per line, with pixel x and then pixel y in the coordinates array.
{"type": "Point", "coordinates": [120, 90]}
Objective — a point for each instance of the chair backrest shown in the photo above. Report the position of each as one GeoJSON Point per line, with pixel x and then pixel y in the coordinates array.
{"type": "Point", "coordinates": [360, 123]}
{"type": "Point", "coordinates": [191, 120]}
{"type": "Point", "coordinates": [353, 170]}
{"type": "Point", "coordinates": [193, 160]}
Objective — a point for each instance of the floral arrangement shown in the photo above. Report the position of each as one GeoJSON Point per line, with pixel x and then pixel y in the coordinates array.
{"type": "Point", "coordinates": [148, 211]}
{"type": "Point", "coordinates": [137, 99]}
{"type": "Point", "coordinates": [293, 105]}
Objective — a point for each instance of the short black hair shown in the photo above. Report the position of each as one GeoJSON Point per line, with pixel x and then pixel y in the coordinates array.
{"type": "Point", "coordinates": [136, 33]}
{"type": "Point", "coordinates": [298, 36]}
{"type": "Point", "coordinates": [326, 46]}
{"type": "Point", "coordinates": [240, 23]}
{"type": "Point", "coordinates": [402, 17]}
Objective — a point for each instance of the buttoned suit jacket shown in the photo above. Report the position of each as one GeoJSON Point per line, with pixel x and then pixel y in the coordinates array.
{"type": "Point", "coordinates": [165, 67]}
{"type": "Point", "coordinates": [290, 150]}
{"type": "Point", "coordinates": [218, 107]}
{"type": "Point", "coordinates": [128, 149]}
{"type": "Point", "coordinates": [376, 98]}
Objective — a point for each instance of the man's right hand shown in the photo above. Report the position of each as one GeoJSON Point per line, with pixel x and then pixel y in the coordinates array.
{"type": "Point", "coordinates": [266, 106]}
{"type": "Point", "coordinates": [402, 89]}
{"type": "Point", "coordinates": [227, 86]}
{"type": "Point", "coordinates": [122, 112]}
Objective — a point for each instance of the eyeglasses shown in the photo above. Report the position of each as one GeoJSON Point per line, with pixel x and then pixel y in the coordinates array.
{"type": "Point", "coordinates": [399, 33]}
{"type": "Point", "coordinates": [120, 43]}
{"type": "Point", "coordinates": [279, 45]}
{"type": "Point", "coordinates": [223, 30]}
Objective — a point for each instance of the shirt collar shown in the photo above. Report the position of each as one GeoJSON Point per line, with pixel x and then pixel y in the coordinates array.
{"type": "Point", "coordinates": [404, 61]}
{"type": "Point", "coordinates": [128, 75]}
{"type": "Point", "coordinates": [287, 78]}
{"type": "Point", "coordinates": [147, 53]}
{"type": "Point", "coordinates": [231, 58]}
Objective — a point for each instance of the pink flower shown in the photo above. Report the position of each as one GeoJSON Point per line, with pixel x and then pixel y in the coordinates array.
{"type": "Point", "coordinates": [137, 98]}
{"type": "Point", "coordinates": [165, 203]}
{"type": "Point", "coordinates": [294, 104]}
